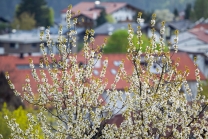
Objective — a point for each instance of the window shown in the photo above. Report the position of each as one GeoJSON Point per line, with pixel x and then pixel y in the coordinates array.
{"type": "Point", "coordinates": [34, 45]}
{"type": "Point", "coordinates": [206, 61]}
{"type": "Point", "coordinates": [26, 66]}
{"type": "Point", "coordinates": [96, 72]}
{"type": "Point", "coordinates": [14, 45]}
{"type": "Point", "coordinates": [113, 71]}
{"type": "Point", "coordinates": [117, 63]}
{"type": "Point", "coordinates": [1, 44]}
{"type": "Point", "coordinates": [154, 66]}
{"type": "Point", "coordinates": [143, 64]}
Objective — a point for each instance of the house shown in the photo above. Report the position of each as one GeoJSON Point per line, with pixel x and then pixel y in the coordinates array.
{"type": "Point", "coordinates": [194, 36]}
{"type": "Point", "coordinates": [90, 11]}
{"type": "Point", "coordinates": [180, 25]}
{"type": "Point", "coordinates": [109, 28]}
{"type": "Point", "coordinates": [201, 54]}
{"type": "Point", "coordinates": [20, 42]}
{"type": "Point", "coordinates": [203, 25]}
{"type": "Point", "coordinates": [28, 42]}
{"type": "Point", "coordinates": [113, 66]}
{"type": "Point", "coordinates": [105, 30]}
{"type": "Point", "coordinates": [201, 22]}
{"type": "Point", "coordinates": [195, 43]}
{"type": "Point", "coordinates": [19, 68]}
{"type": "Point", "coordinates": [186, 61]}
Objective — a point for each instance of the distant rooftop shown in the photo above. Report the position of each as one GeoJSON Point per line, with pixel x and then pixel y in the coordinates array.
{"type": "Point", "coordinates": [89, 9]}
{"type": "Point", "coordinates": [23, 37]}
{"type": "Point", "coordinates": [195, 49]}
{"type": "Point", "coordinates": [33, 36]}
{"type": "Point", "coordinates": [181, 25]}
{"type": "Point", "coordinates": [109, 28]}
{"type": "Point", "coordinates": [194, 36]}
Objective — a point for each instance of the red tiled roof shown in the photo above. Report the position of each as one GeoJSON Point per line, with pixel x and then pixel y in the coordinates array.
{"type": "Point", "coordinates": [201, 33]}
{"type": "Point", "coordinates": [185, 60]}
{"type": "Point", "coordinates": [8, 63]}
{"type": "Point", "coordinates": [85, 7]}
{"type": "Point", "coordinates": [18, 76]}
{"type": "Point", "coordinates": [91, 14]}
{"type": "Point", "coordinates": [205, 26]}
{"type": "Point", "coordinates": [117, 120]}
{"type": "Point", "coordinates": [112, 68]}
{"type": "Point", "coordinates": [99, 40]}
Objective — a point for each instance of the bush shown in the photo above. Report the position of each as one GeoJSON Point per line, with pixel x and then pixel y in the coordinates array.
{"type": "Point", "coordinates": [21, 118]}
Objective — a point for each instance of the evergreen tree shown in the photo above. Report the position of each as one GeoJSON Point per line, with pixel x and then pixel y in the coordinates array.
{"type": "Point", "coordinates": [200, 9]}
{"type": "Point", "coordinates": [188, 11]}
{"type": "Point", "coordinates": [38, 8]}
{"type": "Point", "coordinates": [102, 18]}
{"type": "Point", "coordinates": [147, 16]}
{"type": "Point", "coordinates": [7, 95]}
{"type": "Point", "coordinates": [175, 12]}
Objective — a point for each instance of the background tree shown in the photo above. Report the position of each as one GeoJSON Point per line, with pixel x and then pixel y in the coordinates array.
{"type": "Point", "coordinates": [51, 16]}
{"type": "Point", "coordinates": [4, 27]}
{"type": "Point", "coordinates": [7, 6]}
{"type": "Point", "coordinates": [7, 95]}
{"type": "Point", "coordinates": [188, 11]}
{"type": "Point", "coordinates": [176, 14]}
{"type": "Point", "coordinates": [109, 18]}
{"type": "Point", "coordinates": [164, 15]}
{"type": "Point", "coordinates": [102, 18]}
{"type": "Point", "coordinates": [24, 22]}
{"type": "Point", "coordinates": [118, 42]}
{"type": "Point", "coordinates": [147, 16]}
{"type": "Point", "coordinates": [200, 9]}
{"type": "Point", "coordinates": [42, 14]}
{"type": "Point", "coordinates": [21, 117]}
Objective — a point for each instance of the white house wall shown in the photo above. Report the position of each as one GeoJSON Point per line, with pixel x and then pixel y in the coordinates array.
{"type": "Point", "coordinates": [193, 87]}
{"type": "Point", "coordinates": [201, 63]}
{"type": "Point", "coordinates": [63, 19]}
{"type": "Point", "coordinates": [118, 103]}
{"type": "Point", "coordinates": [123, 14]}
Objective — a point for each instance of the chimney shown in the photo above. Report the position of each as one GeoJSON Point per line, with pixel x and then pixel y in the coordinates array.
{"type": "Point", "coordinates": [21, 56]}
{"type": "Point", "coordinates": [94, 15]}
{"type": "Point", "coordinates": [97, 3]}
